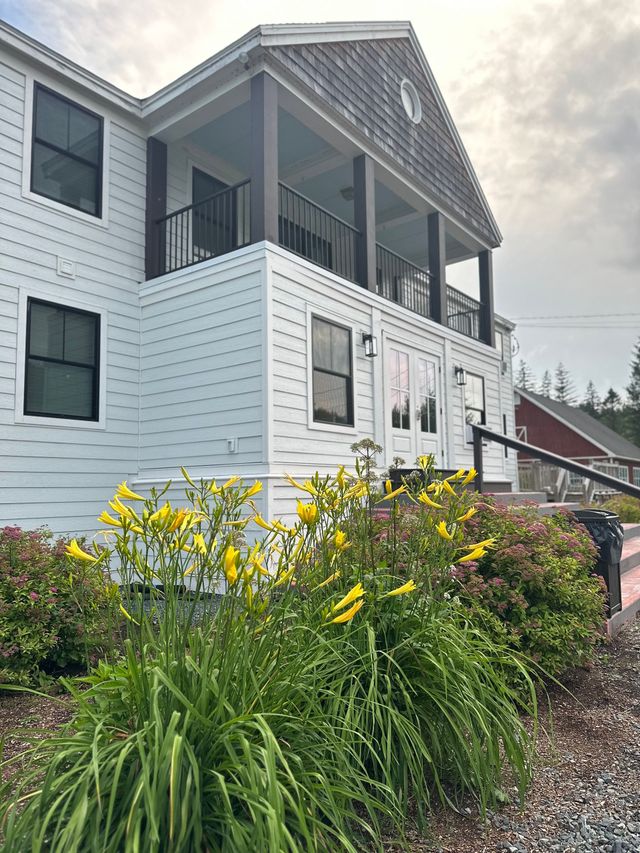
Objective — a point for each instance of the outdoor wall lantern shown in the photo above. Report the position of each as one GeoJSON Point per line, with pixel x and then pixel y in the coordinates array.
{"type": "Point", "coordinates": [461, 375]}
{"type": "Point", "coordinates": [370, 345]}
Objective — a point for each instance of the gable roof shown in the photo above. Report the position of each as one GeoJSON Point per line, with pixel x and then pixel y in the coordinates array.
{"type": "Point", "coordinates": [590, 428]}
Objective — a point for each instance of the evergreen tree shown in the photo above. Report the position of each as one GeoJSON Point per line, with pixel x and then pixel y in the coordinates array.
{"type": "Point", "coordinates": [564, 389]}
{"type": "Point", "coordinates": [591, 403]}
{"type": "Point", "coordinates": [611, 413]}
{"type": "Point", "coordinates": [545, 385]}
{"type": "Point", "coordinates": [524, 377]}
{"type": "Point", "coordinates": [632, 409]}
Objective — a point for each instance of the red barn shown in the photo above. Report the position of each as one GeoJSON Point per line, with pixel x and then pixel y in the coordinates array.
{"type": "Point", "coordinates": [574, 434]}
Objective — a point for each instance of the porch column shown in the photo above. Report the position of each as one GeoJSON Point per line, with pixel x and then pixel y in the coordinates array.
{"type": "Point", "coordinates": [487, 317]}
{"type": "Point", "coordinates": [264, 158]}
{"type": "Point", "coordinates": [437, 268]}
{"type": "Point", "coordinates": [156, 207]}
{"type": "Point", "coordinates": [364, 210]}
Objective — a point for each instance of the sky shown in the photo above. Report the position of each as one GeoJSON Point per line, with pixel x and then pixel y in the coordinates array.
{"type": "Point", "coordinates": [546, 97]}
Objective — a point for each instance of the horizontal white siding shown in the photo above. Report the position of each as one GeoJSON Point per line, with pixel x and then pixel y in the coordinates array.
{"type": "Point", "coordinates": [61, 476]}
{"type": "Point", "coordinates": [202, 371]}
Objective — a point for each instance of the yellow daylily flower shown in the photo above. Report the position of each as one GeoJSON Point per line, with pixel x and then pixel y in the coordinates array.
{"type": "Point", "coordinates": [457, 476]}
{"type": "Point", "coordinates": [392, 494]}
{"type": "Point", "coordinates": [307, 513]}
{"type": "Point", "coordinates": [161, 514]}
{"type": "Point", "coordinates": [328, 580]}
{"type": "Point", "coordinates": [231, 482]}
{"type": "Point", "coordinates": [75, 551]}
{"type": "Point", "coordinates": [123, 491]}
{"type": "Point", "coordinates": [231, 556]}
{"type": "Point", "coordinates": [199, 544]}
{"type": "Point", "coordinates": [447, 487]}
{"type": "Point", "coordinates": [285, 576]}
{"type": "Point", "coordinates": [358, 490]}
{"type": "Point", "coordinates": [242, 522]}
{"type": "Point", "coordinates": [261, 522]}
{"type": "Point", "coordinates": [348, 615]}
{"type": "Point", "coordinates": [188, 570]}
{"type": "Point", "coordinates": [214, 489]}
{"type": "Point", "coordinates": [306, 487]}
{"type": "Point", "coordinates": [486, 543]}
{"type": "Point", "coordinates": [354, 593]}
{"type": "Point", "coordinates": [409, 586]}
{"type": "Point", "coordinates": [117, 506]}
{"type": "Point", "coordinates": [472, 555]}
{"type": "Point", "coordinates": [424, 498]}
{"type": "Point", "coordinates": [253, 490]}
{"type": "Point", "coordinates": [178, 518]}
{"type": "Point", "coordinates": [105, 518]}
{"type": "Point", "coordinates": [340, 540]}
{"type": "Point", "coordinates": [467, 515]}
{"type": "Point", "coordinates": [472, 474]}
{"type": "Point", "coordinates": [341, 477]}
{"type": "Point", "coordinates": [442, 530]}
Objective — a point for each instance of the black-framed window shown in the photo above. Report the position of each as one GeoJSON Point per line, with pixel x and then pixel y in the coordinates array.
{"type": "Point", "coordinates": [332, 373]}
{"type": "Point", "coordinates": [62, 362]}
{"type": "Point", "coordinates": [66, 152]}
{"type": "Point", "coordinates": [474, 400]}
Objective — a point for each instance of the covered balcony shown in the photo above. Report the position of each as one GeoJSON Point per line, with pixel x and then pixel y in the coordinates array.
{"type": "Point", "coordinates": [264, 166]}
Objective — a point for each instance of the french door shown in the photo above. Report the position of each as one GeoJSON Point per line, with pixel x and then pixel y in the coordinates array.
{"type": "Point", "coordinates": [413, 404]}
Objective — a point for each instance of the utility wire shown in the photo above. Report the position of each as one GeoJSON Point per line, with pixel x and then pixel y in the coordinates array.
{"type": "Point", "coordinates": [576, 316]}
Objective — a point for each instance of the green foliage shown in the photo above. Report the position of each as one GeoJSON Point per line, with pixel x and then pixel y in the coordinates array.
{"type": "Point", "coordinates": [54, 612]}
{"type": "Point", "coordinates": [625, 506]}
{"type": "Point", "coordinates": [538, 583]}
{"type": "Point", "coordinates": [337, 682]}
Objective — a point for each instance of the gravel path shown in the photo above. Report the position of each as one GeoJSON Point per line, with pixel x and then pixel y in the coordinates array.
{"type": "Point", "coordinates": [586, 792]}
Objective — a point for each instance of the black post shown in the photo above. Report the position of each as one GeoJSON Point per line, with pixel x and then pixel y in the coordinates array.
{"type": "Point", "coordinates": [477, 459]}
{"type": "Point", "coordinates": [487, 316]}
{"type": "Point", "coordinates": [156, 208]}
{"type": "Point", "coordinates": [437, 268]}
{"type": "Point", "coordinates": [364, 210]}
{"type": "Point", "coordinates": [264, 158]}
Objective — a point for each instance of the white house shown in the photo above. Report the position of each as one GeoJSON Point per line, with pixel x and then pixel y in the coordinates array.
{"type": "Point", "coordinates": [195, 278]}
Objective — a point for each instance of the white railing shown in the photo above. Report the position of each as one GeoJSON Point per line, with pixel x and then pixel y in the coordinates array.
{"type": "Point", "coordinates": [536, 476]}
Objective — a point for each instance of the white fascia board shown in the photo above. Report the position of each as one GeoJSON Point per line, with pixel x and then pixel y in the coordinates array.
{"type": "Point", "coordinates": [504, 322]}
{"type": "Point", "coordinates": [563, 421]}
{"type": "Point", "coordinates": [452, 128]}
{"type": "Point", "coordinates": [34, 52]}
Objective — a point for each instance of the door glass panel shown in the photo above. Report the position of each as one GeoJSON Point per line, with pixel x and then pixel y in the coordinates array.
{"type": "Point", "coordinates": [427, 396]}
{"type": "Point", "coordinates": [399, 393]}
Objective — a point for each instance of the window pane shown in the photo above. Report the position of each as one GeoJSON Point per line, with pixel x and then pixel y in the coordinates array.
{"type": "Point", "coordinates": [80, 338]}
{"type": "Point", "coordinates": [403, 381]}
{"type": "Point", "coordinates": [433, 419]}
{"type": "Point", "coordinates": [59, 389]}
{"type": "Point", "coordinates": [84, 135]}
{"type": "Point", "coordinates": [52, 119]}
{"type": "Point", "coordinates": [404, 408]}
{"type": "Point", "coordinates": [64, 179]}
{"type": "Point", "coordinates": [321, 335]}
{"type": "Point", "coordinates": [340, 350]}
{"type": "Point", "coordinates": [424, 415]}
{"type": "Point", "coordinates": [46, 331]}
{"type": "Point", "coordinates": [474, 392]}
{"type": "Point", "coordinates": [473, 416]}
{"type": "Point", "coordinates": [422, 378]}
{"type": "Point", "coordinates": [431, 379]}
{"type": "Point", "coordinates": [394, 368]}
{"type": "Point", "coordinates": [396, 416]}
{"type": "Point", "coordinates": [330, 398]}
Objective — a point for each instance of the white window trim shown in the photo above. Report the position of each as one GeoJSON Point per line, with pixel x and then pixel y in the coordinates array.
{"type": "Point", "coordinates": [101, 221]}
{"type": "Point", "coordinates": [318, 425]}
{"type": "Point", "coordinates": [21, 354]}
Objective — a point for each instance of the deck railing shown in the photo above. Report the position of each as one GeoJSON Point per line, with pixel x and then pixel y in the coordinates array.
{"type": "Point", "coordinates": [401, 281]}
{"type": "Point", "coordinates": [312, 232]}
{"type": "Point", "coordinates": [211, 227]}
{"type": "Point", "coordinates": [463, 313]}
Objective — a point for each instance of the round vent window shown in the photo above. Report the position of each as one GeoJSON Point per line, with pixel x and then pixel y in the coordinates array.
{"type": "Point", "coordinates": [411, 101]}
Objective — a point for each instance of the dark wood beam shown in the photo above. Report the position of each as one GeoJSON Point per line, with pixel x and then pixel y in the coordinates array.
{"type": "Point", "coordinates": [156, 207]}
{"type": "Point", "coordinates": [437, 268]}
{"type": "Point", "coordinates": [264, 158]}
{"type": "Point", "coordinates": [487, 314]}
{"type": "Point", "coordinates": [364, 209]}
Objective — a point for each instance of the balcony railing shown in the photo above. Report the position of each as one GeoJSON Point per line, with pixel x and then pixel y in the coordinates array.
{"type": "Point", "coordinates": [312, 232]}
{"type": "Point", "coordinates": [463, 313]}
{"type": "Point", "coordinates": [211, 227]}
{"type": "Point", "coordinates": [401, 281]}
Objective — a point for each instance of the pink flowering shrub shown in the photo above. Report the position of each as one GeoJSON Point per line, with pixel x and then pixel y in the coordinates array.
{"type": "Point", "coordinates": [537, 582]}
{"type": "Point", "coordinates": [54, 612]}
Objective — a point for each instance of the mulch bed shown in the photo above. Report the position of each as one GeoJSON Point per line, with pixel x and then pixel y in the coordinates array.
{"type": "Point", "coordinates": [586, 792]}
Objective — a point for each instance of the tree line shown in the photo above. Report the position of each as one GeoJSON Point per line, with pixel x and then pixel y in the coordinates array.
{"type": "Point", "coordinates": [620, 413]}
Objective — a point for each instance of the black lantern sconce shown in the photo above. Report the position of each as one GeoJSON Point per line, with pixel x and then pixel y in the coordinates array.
{"type": "Point", "coordinates": [461, 375]}
{"type": "Point", "coordinates": [370, 345]}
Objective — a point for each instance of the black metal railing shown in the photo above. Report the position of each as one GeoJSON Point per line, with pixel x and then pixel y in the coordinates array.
{"type": "Point", "coordinates": [211, 227]}
{"type": "Point", "coordinates": [401, 281]}
{"type": "Point", "coordinates": [463, 313]}
{"type": "Point", "coordinates": [483, 432]}
{"type": "Point", "coordinates": [312, 232]}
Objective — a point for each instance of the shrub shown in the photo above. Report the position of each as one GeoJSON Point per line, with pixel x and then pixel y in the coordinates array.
{"type": "Point", "coordinates": [625, 506]}
{"type": "Point", "coordinates": [539, 583]}
{"type": "Point", "coordinates": [330, 688]}
{"type": "Point", "coordinates": [54, 612]}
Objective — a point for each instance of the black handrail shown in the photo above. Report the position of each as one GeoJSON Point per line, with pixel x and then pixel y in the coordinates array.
{"type": "Point", "coordinates": [401, 281]}
{"type": "Point", "coordinates": [480, 432]}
